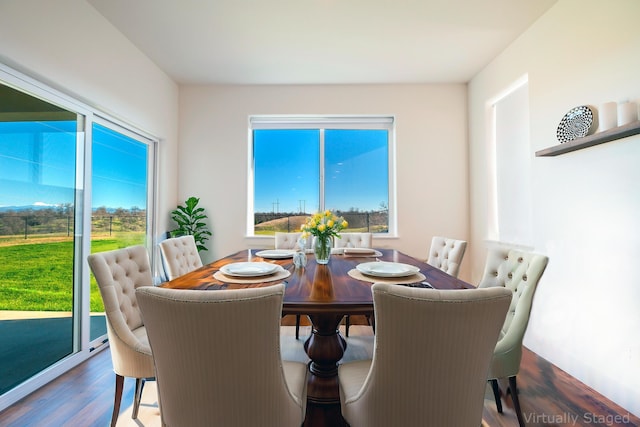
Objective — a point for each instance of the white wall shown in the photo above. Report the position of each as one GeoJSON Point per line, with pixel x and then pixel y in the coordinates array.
{"type": "Point", "coordinates": [70, 46]}
{"type": "Point", "coordinates": [431, 153]}
{"type": "Point", "coordinates": [587, 203]}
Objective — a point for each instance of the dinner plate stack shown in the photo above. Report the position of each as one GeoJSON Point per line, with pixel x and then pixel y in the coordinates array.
{"type": "Point", "coordinates": [387, 269]}
{"type": "Point", "coordinates": [276, 253]}
{"type": "Point", "coordinates": [249, 269]}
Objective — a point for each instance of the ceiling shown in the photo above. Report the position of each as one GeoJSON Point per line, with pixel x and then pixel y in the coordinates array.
{"type": "Point", "coordinates": [321, 41]}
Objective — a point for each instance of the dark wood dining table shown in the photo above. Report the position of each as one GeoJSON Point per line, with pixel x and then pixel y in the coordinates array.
{"type": "Point", "coordinates": [324, 293]}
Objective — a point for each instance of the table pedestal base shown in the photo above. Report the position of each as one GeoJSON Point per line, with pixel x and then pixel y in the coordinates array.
{"type": "Point", "coordinates": [324, 416]}
{"type": "Point", "coordinates": [325, 347]}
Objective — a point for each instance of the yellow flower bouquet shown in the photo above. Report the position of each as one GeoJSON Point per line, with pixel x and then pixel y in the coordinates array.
{"type": "Point", "coordinates": [324, 226]}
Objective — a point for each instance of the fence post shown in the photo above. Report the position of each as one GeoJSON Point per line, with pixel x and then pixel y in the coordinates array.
{"type": "Point", "coordinates": [26, 224]}
{"type": "Point", "coordinates": [110, 224]}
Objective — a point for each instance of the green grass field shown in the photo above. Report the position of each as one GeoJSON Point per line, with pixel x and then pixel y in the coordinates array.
{"type": "Point", "coordinates": [39, 276]}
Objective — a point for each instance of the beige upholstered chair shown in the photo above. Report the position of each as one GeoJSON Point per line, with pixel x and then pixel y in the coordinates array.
{"type": "Point", "coordinates": [217, 358]}
{"type": "Point", "coordinates": [161, 269]}
{"type": "Point", "coordinates": [442, 380]}
{"type": "Point", "coordinates": [519, 272]}
{"type": "Point", "coordinates": [119, 273]}
{"type": "Point", "coordinates": [180, 256]}
{"type": "Point", "coordinates": [354, 240]}
{"type": "Point", "coordinates": [446, 254]}
{"type": "Point", "coordinates": [287, 240]}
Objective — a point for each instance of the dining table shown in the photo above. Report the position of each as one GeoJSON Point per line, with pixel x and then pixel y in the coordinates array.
{"type": "Point", "coordinates": [325, 294]}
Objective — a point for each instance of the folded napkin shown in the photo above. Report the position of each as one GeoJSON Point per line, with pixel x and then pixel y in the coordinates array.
{"type": "Point", "coordinates": [359, 251]}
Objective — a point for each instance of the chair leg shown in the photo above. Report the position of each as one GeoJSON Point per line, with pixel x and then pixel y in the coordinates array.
{"type": "Point", "coordinates": [516, 401]}
{"type": "Point", "coordinates": [137, 397]}
{"type": "Point", "coordinates": [297, 326]}
{"type": "Point", "coordinates": [496, 394]}
{"type": "Point", "coordinates": [347, 322]}
{"type": "Point", "coordinates": [117, 399]}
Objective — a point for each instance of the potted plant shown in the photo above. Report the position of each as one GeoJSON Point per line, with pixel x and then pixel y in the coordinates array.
{"type": "Point", "coordinates": [190, 222]}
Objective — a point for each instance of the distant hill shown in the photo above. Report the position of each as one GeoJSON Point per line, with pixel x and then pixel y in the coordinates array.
{"type": "Point", "coordinates": [41, 208]}
{"type": "Point", "coordinates": [291, 223]}
{"type": "Point", "coordinates": [26, 208]}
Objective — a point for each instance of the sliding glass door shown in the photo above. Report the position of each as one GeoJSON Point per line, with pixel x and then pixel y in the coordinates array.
{"type": "Point", "coordinates": [39, 147]}
{"type": "Point", "coordinates": [72, 182]}
{"type": "Point", "coordinates": [119, 199]}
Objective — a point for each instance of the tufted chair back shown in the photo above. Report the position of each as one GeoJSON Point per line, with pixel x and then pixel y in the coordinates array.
{"type": "Point", "coordinates": [119, 273]}
{"type": "Point", "coordinates": [520, 272]}
{"type": "Point", "coordinates": [354, 240]}
{"type": "Point", "coordinates": [446, 254]}
{"type": "Point", "coordinates": [180, 256]}
{"type": "Point", "coordinates": [286, 240]}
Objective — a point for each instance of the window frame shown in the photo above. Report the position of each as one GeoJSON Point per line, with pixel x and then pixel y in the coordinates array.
{"type": "Point", "coordinates": [349, 122]}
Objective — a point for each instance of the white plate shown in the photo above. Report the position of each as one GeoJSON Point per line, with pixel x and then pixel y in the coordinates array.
{"type": "Point", "coordinates": [276, 253]}
{"type": "Point", "coordinates": [387, 269]}
{"type": "Point", "coordinates": [575, 124]}
{"type": "Point", "coordinates": [249, 269]}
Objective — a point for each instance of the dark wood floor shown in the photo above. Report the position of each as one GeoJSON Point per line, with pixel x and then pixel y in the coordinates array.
{"type": "Point", "coordinates": [549, 397]}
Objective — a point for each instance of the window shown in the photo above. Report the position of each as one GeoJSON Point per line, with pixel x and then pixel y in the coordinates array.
{"type": "Point", "coordinates": [57, 156]}
{"type": "Point", "coordinates": [512, 217]}
{"type": "Point", "coordinates": [301, 165]}
{"type": "Point", "coordinates": [119, 195]}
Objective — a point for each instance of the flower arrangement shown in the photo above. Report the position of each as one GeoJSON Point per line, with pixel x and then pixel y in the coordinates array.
{"type": "Point", "coordinates": [323, 225]}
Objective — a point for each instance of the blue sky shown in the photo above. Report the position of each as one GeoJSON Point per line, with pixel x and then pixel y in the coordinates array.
{"type": "Point", "coordinates": [286, 165]}
{"type": "Point", "coordinates": [37, 167]}
{"type": "Point", "coordinates": [119, 170]}
{"type": "Point", "coordinates": [287, 173]}
{"type": "Point", "coordinates": [38, 162]}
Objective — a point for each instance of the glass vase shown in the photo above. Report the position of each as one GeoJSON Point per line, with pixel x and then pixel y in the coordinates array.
{"type": "Point", "coordinates": [322, 249]}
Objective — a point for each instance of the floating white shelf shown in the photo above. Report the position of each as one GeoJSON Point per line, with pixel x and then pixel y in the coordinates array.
{"type": "Point", "coordinates": [591, 140]}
